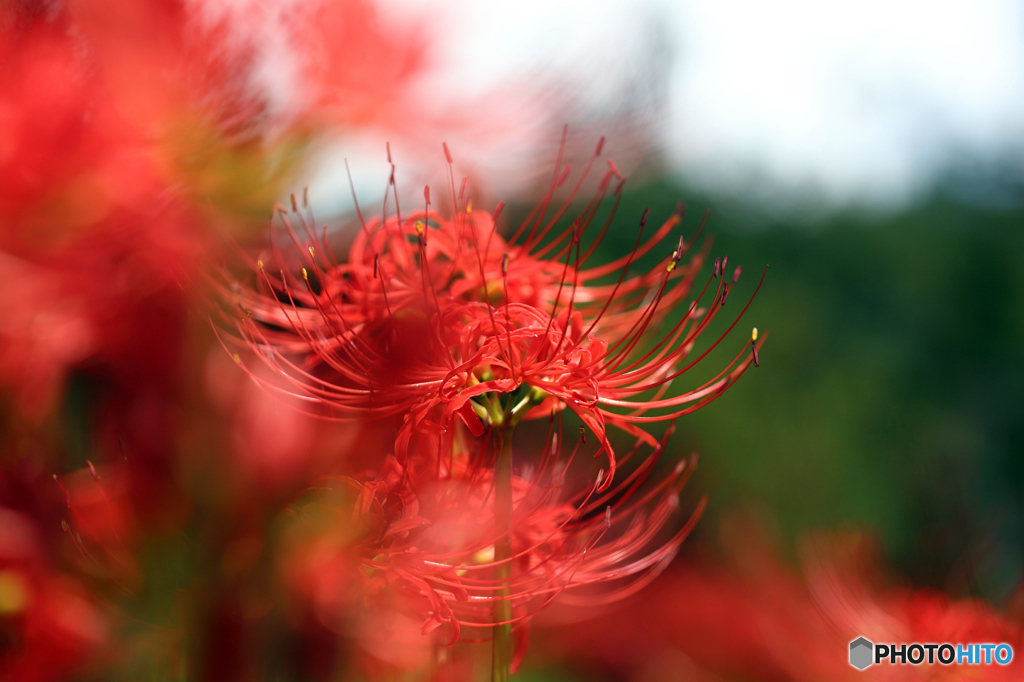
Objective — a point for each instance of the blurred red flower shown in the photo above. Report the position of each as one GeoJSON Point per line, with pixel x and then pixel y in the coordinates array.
{"type": "Point", "coordinates": [50, 629]}
{"type": "Point", "coordinates": [755, 619]}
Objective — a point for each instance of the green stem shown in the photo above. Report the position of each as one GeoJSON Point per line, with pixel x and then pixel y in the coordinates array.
{"type": "Point", "coordinates": [501, 662]}
{"type": "Point", "coordinates": [503, 422]}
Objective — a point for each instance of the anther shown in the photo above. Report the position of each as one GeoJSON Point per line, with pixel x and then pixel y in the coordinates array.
{"type": "Point", "coordinates": [295, 205]}
{"type": "Point", "coordinates": [725, 259]}
{"type": "Point", "coordinates": [736, 273]}
{"type": "Point", "coordinates": [753, 335]}
{"type": "Point", "coordinates": [583, 435]}
{"type": "Point", "coordinates": [426, 193]}
{"type": "Point", "coordinates": [305, 196]}
{"type": "Point", "coordinates": [312, 253]}
{"type": "Point", "coordinates": [419, 227]}
{"type": "Point", "coordinates": [504, 264]}
{"type": "Point", "coordinates": [447, 154]}
{"type": "Point", "coordinates": [608, 517]}
{"type": "Point", "coordinates": [259, 264]}
{"type": "Point", "coordinates": [718, 267]}
{"type": "Point", "coordinates": [305, 275]}
{"type": "Point", "coordinates": [469, 205]}
{"type": "Point", "coordinates": [600, 146]}
{"type": "Point", "coordinates": [614, 168]}
{"type": "Point", "coordinates": [497, 211]}
{"type": "Point", "coordinates": [725, 292]}
{"type": "Point", "coordinates": [376, 265]}
{"type": "Point", "coordinates": [387, 146]}
{"type": "Point", "coordinates": [600, 477]}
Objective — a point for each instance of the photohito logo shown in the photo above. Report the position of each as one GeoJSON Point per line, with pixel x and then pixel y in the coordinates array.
{"type": "Point", "coordinates": [864, 653]}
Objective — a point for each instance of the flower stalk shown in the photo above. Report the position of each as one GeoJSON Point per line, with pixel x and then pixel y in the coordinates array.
{"type": "Point", "coordinates": [501, 668]}
{"type": "Point", "coordinates": [503, 423]}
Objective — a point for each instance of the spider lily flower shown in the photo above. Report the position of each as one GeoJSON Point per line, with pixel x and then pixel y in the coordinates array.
{"type": "Point", "coordinates": [398, 328]}
{"type": "Point", "coordinates": [426, 545]}
{"type": "Point", "coordinates": [133, 132]}
{"type": "Point", "coordinates": [742, 619]}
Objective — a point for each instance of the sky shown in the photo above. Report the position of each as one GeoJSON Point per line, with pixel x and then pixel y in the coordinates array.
{"type": "Point", "coordinates": [840, 102]}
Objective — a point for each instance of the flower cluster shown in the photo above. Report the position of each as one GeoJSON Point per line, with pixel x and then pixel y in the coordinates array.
{"type": "Point", "coordinates": [454, 335]}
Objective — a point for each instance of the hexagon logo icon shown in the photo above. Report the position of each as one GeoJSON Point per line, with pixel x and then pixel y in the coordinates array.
{"type": "Point", "coordinates": [861, 651]}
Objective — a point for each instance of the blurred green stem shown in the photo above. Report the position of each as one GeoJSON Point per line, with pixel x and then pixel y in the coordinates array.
{"type": "Point", "coordinates": [501, 662]}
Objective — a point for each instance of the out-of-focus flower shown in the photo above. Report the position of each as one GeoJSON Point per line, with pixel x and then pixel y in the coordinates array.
{"type": "Point", "coordinates": [49, 627]}
{"type": "Point", "coordinates": [758, 620]}
{"type": "Point", "coordinates": [405, 542]}
{"type": "Point", "coordinates": [131, 134]}
{"type": "Point", "coordinates": [100, 522]}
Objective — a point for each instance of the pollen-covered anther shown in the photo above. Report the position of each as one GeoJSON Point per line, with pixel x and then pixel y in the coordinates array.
{"type": "Point", "coordinates": [259, 264]}
{"type": "Point", "coordinates": [677, 255]}
{"type": "Point", "coordinates": [305, 275]}
{"type": "Point", "coordinates": [312, 252]}
{"type": "Point", "coordinates": [469, 206]}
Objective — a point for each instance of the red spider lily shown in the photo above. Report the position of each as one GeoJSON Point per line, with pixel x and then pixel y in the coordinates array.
{"type": "Point", "coordinates": [757, 619]}
{"type": "Point", "coordinates": [425, 545]}
{"type": "Point", "coordinates": [123, 126]}
{"type": "Point", "coordinates": [390, 332]}
{"type": "Point", "coordinates": [50, 628]}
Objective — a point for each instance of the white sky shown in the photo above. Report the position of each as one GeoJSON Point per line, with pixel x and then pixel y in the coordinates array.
{"type": "Point", "coordinates": [860, 100]}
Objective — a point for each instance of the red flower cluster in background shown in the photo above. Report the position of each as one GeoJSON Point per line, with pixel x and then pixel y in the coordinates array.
{"type": "Point", "coordinates": [748, 616]}
{"type": "Point", "coordinates": [131, 133]}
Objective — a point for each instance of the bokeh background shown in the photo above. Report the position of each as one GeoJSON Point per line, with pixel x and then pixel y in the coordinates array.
{"type": "Point", "coordinates": [871, 154]}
